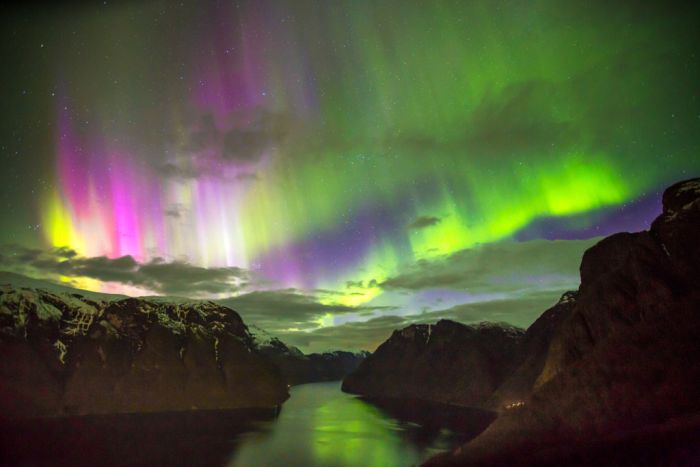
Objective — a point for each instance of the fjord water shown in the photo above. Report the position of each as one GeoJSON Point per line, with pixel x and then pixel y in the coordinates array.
{"type": "Point", "coordinates": [318, 426]}
{"type": "Point", "coordinates": [321, 426]}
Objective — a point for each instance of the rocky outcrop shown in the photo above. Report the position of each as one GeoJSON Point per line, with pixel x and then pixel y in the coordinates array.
{"type": "Point", "coordinates": [446, 362]}
{"type": "Point", "coordinates": [620, 375]}
{"type": "Point", "coordinates": [298, 368]}
{"type": "Point", "coordinates": [66, 354]}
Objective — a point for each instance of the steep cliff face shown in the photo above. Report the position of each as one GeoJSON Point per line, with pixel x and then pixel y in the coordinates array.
{"type": "Point", "coordinates": [298, 368]}
{"type": "Point", "coordinates": [447, 362]}
{"type": "Point", "coordinates": [622, 366]}
{"type": "Point", "coordinates": [66, 354]}
{"type": "Point", "coordinates": [532, 354]}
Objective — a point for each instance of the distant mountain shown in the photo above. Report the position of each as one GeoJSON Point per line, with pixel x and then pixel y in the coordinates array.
{"type": "Point", "coordinates": [610, 375]}
{"type": "Point", "coordinates": [70, 354]}
{"type": "Point", "coordinates": [298, 368]}
{"type": "Point", "coordinates": [446, 362]}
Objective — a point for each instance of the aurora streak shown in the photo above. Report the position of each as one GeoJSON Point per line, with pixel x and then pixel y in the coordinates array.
{"type": "Point", "coordinates": [301, 141]}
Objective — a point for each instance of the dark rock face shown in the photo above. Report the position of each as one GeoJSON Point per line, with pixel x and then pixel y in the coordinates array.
{"type": "Point", "coordinates": [64, 354]}
{"type": "Point", "coordinates": [447, 362]}
{"type": "Point", "coordinates": [531, 355]}
{"type": "Point", "coordinates": [622, 366]}
{"type": "Point", "coordinates": [297, 368]}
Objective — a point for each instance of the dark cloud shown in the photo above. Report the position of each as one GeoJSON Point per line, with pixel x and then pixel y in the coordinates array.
{"type": "Point", "coordinates": [497, 267]}
{"type": "Point", "coordinates": [175, 278]}
{"type": "Point", "coordinates": [65, 252]}
{"type": "Point", "coordinates": [364, 335]}
{"type": "Point", "coordinates": [520, 120]}
{"type": "Point", "coordinates": [248, 142]}
{"type": "Point", "coordinates": [203, 135]}
{"type": "Point", "coordinates": [422, 222]}
{"type": "Point", "coordinates": [280, 310]}
{"type": "Point", "coordinates": [182, 171]}
{"type": "Point", "coordinates": [370, 284]}
{"type": "Point", "coordinates": [241, 139]}
{"type": "Point", "coordinates": [174, 211]}
{"type": "Point", "coordinates": [519, 310]}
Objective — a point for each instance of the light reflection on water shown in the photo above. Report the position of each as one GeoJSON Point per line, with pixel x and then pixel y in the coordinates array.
{"type": "Point", "coordinates": [318, 426]}
{"type": "Point", "coordinates": [321, 426]}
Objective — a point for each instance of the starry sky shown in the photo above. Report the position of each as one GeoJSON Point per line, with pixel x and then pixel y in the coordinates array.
{"type": "Point", "coordinates": [334, 170]}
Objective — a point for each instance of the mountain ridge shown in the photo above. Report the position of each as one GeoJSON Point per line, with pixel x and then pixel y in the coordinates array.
{"type": "Point", "coordinates": [421, 360]}
{"type": "Point", "coordinates": [615, 383]}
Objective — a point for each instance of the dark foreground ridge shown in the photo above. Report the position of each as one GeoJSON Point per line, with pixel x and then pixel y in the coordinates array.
{"type": "Point", "coordinates": [610, 374]}
{"type": "Point", "coordinates": [66, 354]}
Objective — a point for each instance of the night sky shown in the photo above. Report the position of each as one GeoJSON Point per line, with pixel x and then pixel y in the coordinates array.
{"type": "Point", "coordinates": [339, 168]}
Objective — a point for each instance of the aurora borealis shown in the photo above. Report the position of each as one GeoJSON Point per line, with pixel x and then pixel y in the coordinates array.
{"type": "Point", "coordinates": [335, 157]}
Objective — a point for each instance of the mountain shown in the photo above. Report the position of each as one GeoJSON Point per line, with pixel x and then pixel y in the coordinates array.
{"type": "Point", "coordinates": [447, 362]}
{"type": "Point", "coordinates": [619, 381]}
{"type": "Point", "coordinates": [298, 368]}
{"type": "Point", "coordinates": [72, 354]}
{"type": "Point", "coordinates": [531, 355]}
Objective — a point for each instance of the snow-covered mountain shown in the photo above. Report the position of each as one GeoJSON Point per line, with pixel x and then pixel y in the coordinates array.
{"type": "Point", "coordinates": [66, 352]}
{"type": "Point", "coordinates": [69, 351]}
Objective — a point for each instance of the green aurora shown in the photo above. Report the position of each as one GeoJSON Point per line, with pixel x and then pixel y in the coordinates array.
{"type": "Point", "coordinates": [322, 152]}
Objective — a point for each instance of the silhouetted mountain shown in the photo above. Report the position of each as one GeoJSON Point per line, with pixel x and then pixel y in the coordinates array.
{"type": "Point", "coordinates": [619, 383]}
{"type": "Point", "coordinates": [447, 362]}
{"type": "Point", "coordinates": [67, 354]}
{"type": "Point", "coordinates": [298, 368]}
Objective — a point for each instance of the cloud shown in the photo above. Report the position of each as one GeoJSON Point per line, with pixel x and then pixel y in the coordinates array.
{"type": "Point", "coordinates": [365, 335]}
{"type": "Point", "coordinates": [203, 135]}
{"type": "Point", "coordinates": [239, 142]}
{"type": "Point", "coordinates": [519, 120]}
{"type": "Point", "coordinates": [175, 211]}
{"type": "Point", "coordinates": [370, 284]}
{"type": "Point", "coordinates": [244, 138]}
{"type": "Point", "coordinates": [184, 172]}
{"type": "Point", "coordinates": [520, 310]}
{"type": "Point", "coordinates": [248, 142]}
{"type": "Point", "coordinates": [509, 281]}
{"type": "Point", "coordinates": [497, 267]}
{"type": "Point", "coordinates": [422, 222]}
{"type": "Point", "coordinates": [173, 278]}
{"type": "Point", "coordinates": [280, 310]}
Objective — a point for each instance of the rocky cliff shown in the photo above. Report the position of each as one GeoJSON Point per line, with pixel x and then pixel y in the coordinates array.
{"type": "Point", "coordinates": [531, 355]}
{"type": "Point", "coordinates": [619, 379]}
{"type": "Point", "coordinates": [446, 362]}
{"type": "Point", "coordinates": [67, 354]}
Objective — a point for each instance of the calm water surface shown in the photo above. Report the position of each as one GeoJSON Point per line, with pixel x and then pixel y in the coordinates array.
{"type": "Point", "coordinates": [321, 426]}
{"type": "Point", "coordinates": [318, 426]}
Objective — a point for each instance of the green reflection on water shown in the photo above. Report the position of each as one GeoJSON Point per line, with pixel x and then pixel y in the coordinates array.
{"type": "Point", "coordinates": [321, 426]}
{"type": "Point", "coordinates": [349, 431]}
